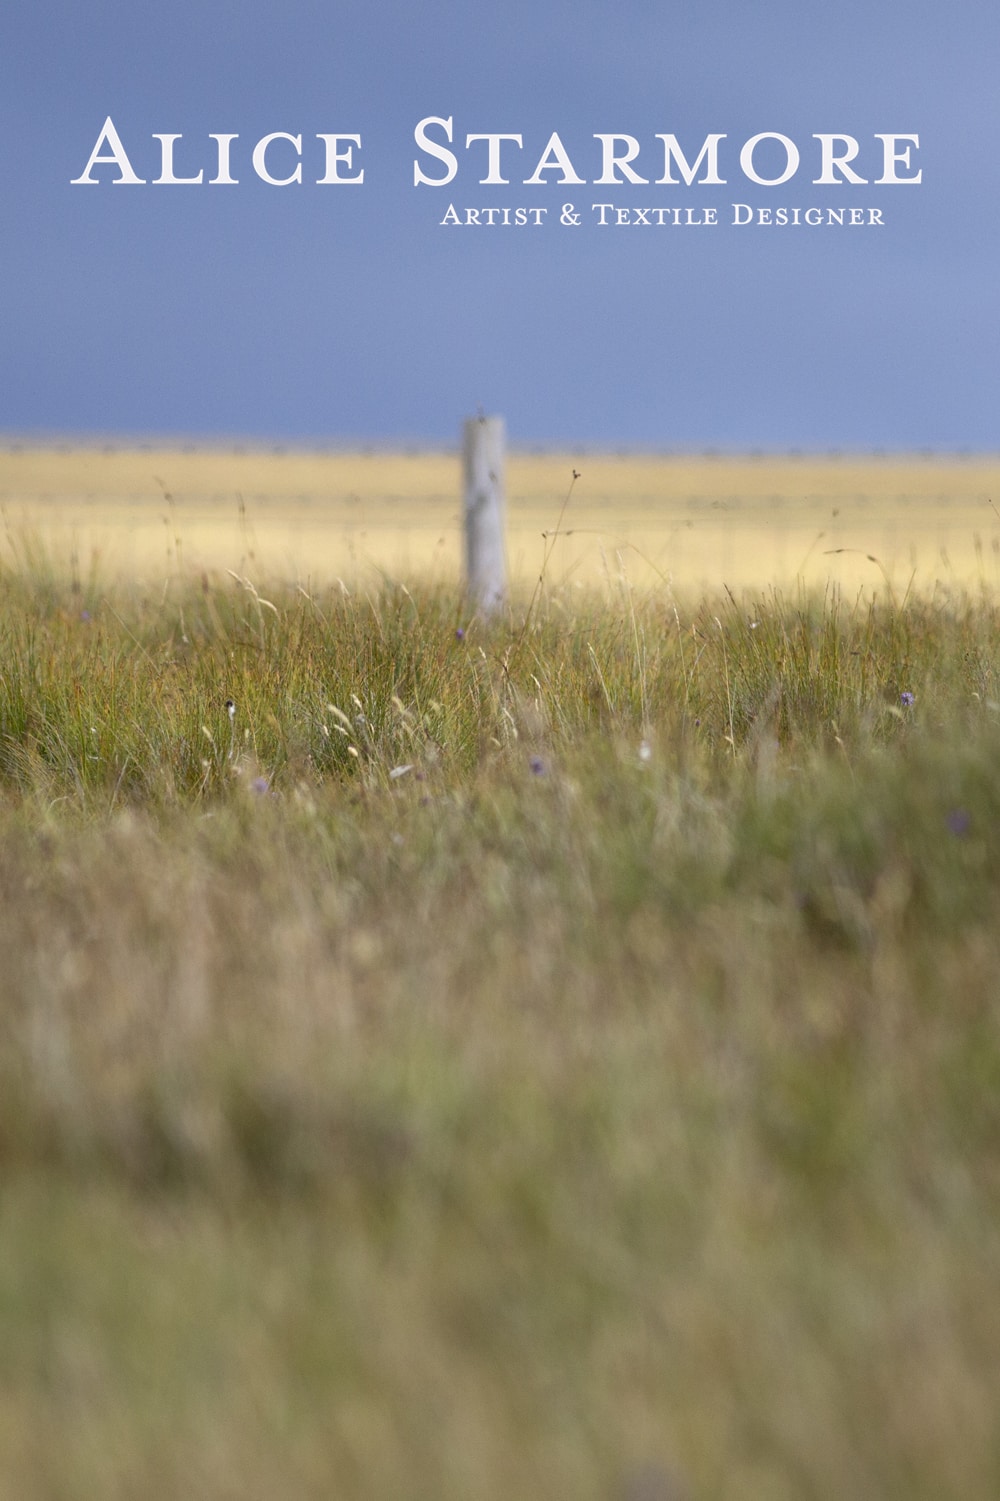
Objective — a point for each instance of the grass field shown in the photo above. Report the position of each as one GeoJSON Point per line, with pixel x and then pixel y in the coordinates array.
{"type": "Point", "coordinates": [693, 522]}
{"type": "Point", "coordinates": [551, 1058]}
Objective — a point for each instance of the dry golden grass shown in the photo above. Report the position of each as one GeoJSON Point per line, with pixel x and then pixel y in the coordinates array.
{"type": "Point", "coordinates": [701, 522]}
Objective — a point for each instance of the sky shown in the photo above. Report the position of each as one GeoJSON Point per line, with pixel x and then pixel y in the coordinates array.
{"type": "Point", "coordinates": [362, 313]}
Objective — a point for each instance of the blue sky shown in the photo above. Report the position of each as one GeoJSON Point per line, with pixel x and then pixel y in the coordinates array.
{"type": "Point", "coordinates": [349, 313]}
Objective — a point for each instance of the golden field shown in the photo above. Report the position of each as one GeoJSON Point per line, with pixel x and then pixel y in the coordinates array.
{"type": "Point", "coordinates": [699, 522]}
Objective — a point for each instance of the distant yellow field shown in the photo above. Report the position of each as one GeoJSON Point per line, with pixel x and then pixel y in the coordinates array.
{"type": "Point", "coordinates": [698, 523]}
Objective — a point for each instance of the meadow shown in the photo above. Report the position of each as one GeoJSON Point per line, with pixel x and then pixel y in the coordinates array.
{"type": "Point", "coordinates": [549, 1056]}
{"type": "Point", "coordinates": [647, 520]}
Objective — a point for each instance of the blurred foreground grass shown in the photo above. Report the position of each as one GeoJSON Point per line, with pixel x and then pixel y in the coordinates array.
{"type": "Point", "coordinates": [559, 1059]}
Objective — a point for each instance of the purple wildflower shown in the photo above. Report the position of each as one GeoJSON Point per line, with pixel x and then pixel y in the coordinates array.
{"type": "Point", "coordinates": [538, 767]}
{"type": "Point", "coordinates": [959, 821]}
{"type": "Point", "coordinates": [459, 634]}
{"type": "Point", "coordinates": [260, 785]}
{"type": "Point", "coordinates": [906, 699]}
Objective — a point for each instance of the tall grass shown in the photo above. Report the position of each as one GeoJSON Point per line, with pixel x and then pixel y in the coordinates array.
{"type": "Point", "coordinates": [558, 1058]}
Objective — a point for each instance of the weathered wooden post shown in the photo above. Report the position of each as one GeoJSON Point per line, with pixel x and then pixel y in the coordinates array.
{"type": "Point", "coordinates": [485, 551]}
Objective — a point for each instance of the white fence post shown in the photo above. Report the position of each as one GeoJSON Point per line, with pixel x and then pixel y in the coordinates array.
{"type": "Point", "coordinates": [485, 551]}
